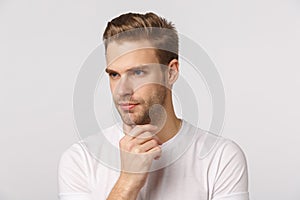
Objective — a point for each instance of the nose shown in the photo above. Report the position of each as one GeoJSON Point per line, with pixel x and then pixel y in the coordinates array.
{"type": "Point", "coordinates": [124, 87]}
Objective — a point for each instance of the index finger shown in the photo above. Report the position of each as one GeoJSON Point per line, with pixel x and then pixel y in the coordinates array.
{"type": "Point", "coordinates": [139, 129]}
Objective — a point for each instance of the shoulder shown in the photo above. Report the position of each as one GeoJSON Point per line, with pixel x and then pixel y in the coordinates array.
{"type": "Point", "coordinates": [75, 152]}
{"type": "Point", "coordinates": [82, 152]}
{"type": "Point", "coordinates": [215, 146]}
{"type": "Point", "coordinates": [73, 173]}
{"type": "Point", "coordinates": [228, 150]}
{"type": "Point", "coordinates": [226, 164]}
{"type": "Point", "coordinates": [75, 158]}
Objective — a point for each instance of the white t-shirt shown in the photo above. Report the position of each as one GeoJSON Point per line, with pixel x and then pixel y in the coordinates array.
{"type": "Point", "coordinates": [195, 165]}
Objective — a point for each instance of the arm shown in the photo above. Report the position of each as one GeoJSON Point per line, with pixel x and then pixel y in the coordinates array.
{"type": "Point", "coordinates": [137, 150]}
{"type": "Point", "coordinates": [73, 174]}
{"type": "Point", "coordinates": [122, 190]}
{"type": "Point", "coordinates": [231, 178]}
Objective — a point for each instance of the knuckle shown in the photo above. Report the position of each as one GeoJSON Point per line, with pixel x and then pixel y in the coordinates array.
{"type": "Point", "coordinates": [149, 134]}
{"type": "Point", "coordinates": [154, 142]}
{"type": "Point", "coordinates": [121, 142]}
{"type": "Point", "coordinates": [130, 146]}
{"type": "Point", "coordinates": [159, 149]}
{"type": "Point", "coordinates": [137, 150]}
{"type": "Point", "coordinates": [145, 135]}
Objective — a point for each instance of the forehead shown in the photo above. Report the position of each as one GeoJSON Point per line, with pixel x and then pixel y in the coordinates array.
{"type": "Point", "coordinates": [126, 54]}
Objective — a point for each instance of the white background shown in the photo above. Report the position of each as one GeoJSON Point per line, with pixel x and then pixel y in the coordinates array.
{"type": "Point", "coordinates": [255, 46]}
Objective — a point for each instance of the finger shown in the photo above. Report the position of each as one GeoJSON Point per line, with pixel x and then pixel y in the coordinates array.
{"type": "Point", "coordinates": [127, 129]}
{"type": "Point", "coordinates": [158, 140]}
{"type": "Point", "coordinates": [145, 135]}
{"type": "Point", "coordinates": [146, 146]}
{"type": "Point", "coordinates": [155, 152]}
{"type": "Point", "coordinates": [128, 142]}
{"type": "Point", "coordinates": [126, 139]}
{"type": "Point", "coordinates": [139, 129]}
{"type": "Point", "coordinates": [139, 141]}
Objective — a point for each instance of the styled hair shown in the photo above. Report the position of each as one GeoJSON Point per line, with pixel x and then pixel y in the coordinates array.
{"type": "Point", "coordinates": [161, 33]}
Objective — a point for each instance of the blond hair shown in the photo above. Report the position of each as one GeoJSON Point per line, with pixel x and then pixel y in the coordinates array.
{"type": "Point", "coordinates": [134, 26]}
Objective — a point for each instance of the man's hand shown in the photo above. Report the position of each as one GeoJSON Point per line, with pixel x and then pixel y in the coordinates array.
{"type": "Point", "coordinates": [138, 148]}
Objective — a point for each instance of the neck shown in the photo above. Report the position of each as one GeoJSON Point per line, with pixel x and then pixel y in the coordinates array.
{"type": "Point", "coordinates": [170, 128]}
{"type": "Point", "coordinates": [172, 124]}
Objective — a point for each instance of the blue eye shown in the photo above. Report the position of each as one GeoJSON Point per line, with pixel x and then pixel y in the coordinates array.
{"type": "Point", "coordinates": [138, 72]}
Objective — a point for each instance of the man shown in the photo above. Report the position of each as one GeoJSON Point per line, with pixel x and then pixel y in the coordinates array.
{"type": "Point", "coordinates": [142, 64]}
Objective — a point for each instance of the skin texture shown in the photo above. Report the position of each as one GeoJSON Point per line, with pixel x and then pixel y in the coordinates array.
{"type": "Point", "coordinates": [137, 83]}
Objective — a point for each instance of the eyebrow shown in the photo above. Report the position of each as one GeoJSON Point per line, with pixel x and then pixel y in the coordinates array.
{"type": "Point", "coordinates": [109, 71]}
{"type": "Point", "coordinates": [139, 67]}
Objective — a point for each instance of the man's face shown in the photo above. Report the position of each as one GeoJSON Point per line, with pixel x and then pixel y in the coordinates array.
{"type": "Point", "coordinates": [136, 80]}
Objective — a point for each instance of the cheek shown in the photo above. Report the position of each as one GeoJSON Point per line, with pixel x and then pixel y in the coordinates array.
{"type": "Point", "coordinates": [148, 91]}
{"type": "Point", "coordinates": [150, 80]}
{"type": "Point", "coordinates": [112, 90]}
{"type": "Point", "coordinates": [112, 86]}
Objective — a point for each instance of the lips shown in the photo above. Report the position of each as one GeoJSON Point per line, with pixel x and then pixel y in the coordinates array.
{"type": "Point", "coordinates": [127, 106]}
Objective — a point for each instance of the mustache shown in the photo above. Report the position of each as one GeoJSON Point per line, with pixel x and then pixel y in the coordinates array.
{"type": "Point", "coordinates": [127, 100]}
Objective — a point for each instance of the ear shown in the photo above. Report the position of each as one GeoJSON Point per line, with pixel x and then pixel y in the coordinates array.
{"type": "Point", "coordinates": [173, 71]}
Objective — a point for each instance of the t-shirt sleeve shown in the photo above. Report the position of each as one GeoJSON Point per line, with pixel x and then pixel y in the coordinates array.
{"type": "Point", "coordinates": [73, 182]}
{"type": "Point", "coordinates": [231, 178]}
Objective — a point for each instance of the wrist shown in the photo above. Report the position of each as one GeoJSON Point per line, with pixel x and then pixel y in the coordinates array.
{"type": "Point", "coordinates": [131, 182]}
{"type": "Point", "coordinates": [123, 191]}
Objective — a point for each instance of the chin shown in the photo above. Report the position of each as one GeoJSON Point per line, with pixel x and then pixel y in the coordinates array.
{"type": "Point", "coordinates": [130, 120]}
